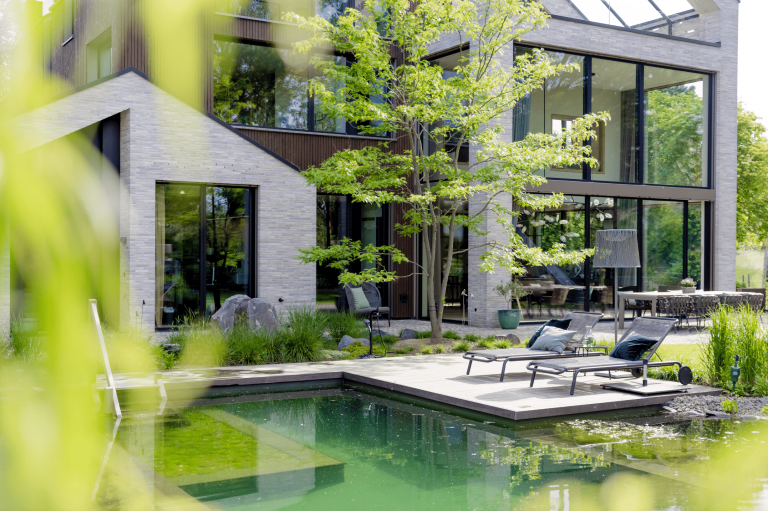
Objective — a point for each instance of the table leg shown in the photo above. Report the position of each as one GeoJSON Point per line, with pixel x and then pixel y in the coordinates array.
{"type": "Point", "coordinates": [621, 313]}
{"type": "Point", "coordinates": [653, 307]}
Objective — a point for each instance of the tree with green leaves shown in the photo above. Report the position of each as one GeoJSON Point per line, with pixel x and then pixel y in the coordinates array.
{"type": "Point", "coordinates": [436, 111]}
{"type": "Point", "coordinates": [752, 180]}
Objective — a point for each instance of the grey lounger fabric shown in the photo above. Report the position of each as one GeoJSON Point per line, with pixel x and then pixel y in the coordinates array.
{"type": "Point", "coordinates": [651, 327]}
{"type": "Point", "coordinates": [580, 321]}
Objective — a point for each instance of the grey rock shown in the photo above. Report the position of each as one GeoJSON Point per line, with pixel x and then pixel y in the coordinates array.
{"type": "Point", "coordinates": [347, 340]}
{"type": "Point", "coordinates": [233, 311]}
{"type": "Point", "coordinates": [382, 333]}
{"type": "Point", "coordinates": [670, 409]}
{"type": "Point", "coordinates": [717, 415]}
{"type": "Point", "coordinates": [513, 339]}
{"type": "Point", "coordinates": [407, 333]}
{"type": "Point", "coordinates": [262, 314]}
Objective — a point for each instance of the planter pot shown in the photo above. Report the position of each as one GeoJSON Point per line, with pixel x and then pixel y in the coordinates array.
{"type": "Point", "coordinates": [509, 319]}
{"type": "Point", "coordinates": [688, 290]}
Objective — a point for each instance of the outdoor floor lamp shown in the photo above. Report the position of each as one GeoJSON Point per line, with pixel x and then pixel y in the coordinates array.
{"type": "Point", "coordinates": [616, 248]}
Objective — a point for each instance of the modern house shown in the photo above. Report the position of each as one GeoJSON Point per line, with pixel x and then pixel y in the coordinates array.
{"type": "Point", "coordinates": [212, 142]}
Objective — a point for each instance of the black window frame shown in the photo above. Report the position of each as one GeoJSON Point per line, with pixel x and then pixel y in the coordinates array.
{"type": "Point", "coordinates": [707, 168]}
{"type": "Point", "coordinates": [351, 129]}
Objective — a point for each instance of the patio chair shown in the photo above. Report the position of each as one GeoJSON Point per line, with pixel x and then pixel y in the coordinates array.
{"type": "Point", "coordinates": [679, 308]}
{"type": "Point", "coordinates": [702, 306]}
{"type": "Point", "coordinates": [374, 309]}
{"type": "Point", "coordinates": [580, 322]}
{"type": "Point", "coordinates": [557, 300]}
{"type": "Point", "coordinates": [637, 307]}
{"type": "Point", "coordinates": [755, 302]}
{"type": "Point", "coordinates": [652, 328]}
{"type": "Point", "coordinates": [734, 301]}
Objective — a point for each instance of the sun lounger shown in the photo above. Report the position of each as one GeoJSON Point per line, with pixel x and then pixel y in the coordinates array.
{"type": "Point", "coordinates": [652, 328]}
{"type": "Point", "coordinates": [580, 322]}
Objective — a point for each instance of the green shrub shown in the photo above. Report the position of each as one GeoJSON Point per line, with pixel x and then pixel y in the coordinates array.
{"type": "Point", "coordinates": [764, 410]}
{"type": "Point", "coordinates": [357, 348]}
{"type": "Point", "coordinates": [344, 323]}
{"type": "Point", "coordinates": [302, 340]}
{"type": "Point", "coordinates": [426, 350]}
{"type": "Point", "coordinates": [404, 350]}
{"type": "Point", "coordinates": [130, 350]}
{"type": "Point", "coordinates": [427, 334]}
{"type": "Point", "coordinates": [166, 359]}
{"type": "Point", "coordinates": [751, 343]}
{"type": "Point", "coordinates": [451, 335]}
{"type": "Point", "coordinates": [22, 342]}
{"type": "Point", "coordinates": [202, 345]}
{"type": "Point", "coordinates": [471, 337]}
{"type": "Point", "coordinates": [729, 406]}
{"type": "Point", "coordinates": [485, 343]}
{"type": "Point", "coordinates": [438, 348]}
{"type": "Point", "coordinates": [718, 350]}
{"type": "Point", "coordinates": [502, 344]}
{"type": "Point", "coordinates": [460, 346]}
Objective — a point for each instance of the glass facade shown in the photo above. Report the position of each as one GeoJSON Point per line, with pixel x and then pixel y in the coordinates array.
{"type": "Point", "coordinates": [274, 10]}
{"type": "Point", "coordinates": [331, 229]}
{"type": "Point", "coordinates": [664, 238]}
{"type": "Point", "coordinates": [658, 137]}
{"type": "Point", "coordinates": [204, 249]}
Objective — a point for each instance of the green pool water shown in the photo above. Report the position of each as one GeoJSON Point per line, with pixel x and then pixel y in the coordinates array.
{"type": "Point", "coordinates": [348, 449]}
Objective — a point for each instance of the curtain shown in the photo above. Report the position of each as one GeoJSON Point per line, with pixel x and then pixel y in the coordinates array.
{"type": "Point", "coordinates": [628, 136]}
{"type": "Point", "coordinates": [159, 252]}
{"type": "Point", "coordinates": [521, 118]}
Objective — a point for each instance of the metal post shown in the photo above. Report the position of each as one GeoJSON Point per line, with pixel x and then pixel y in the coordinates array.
{"type": "Point", "coordinates": [615, 305]}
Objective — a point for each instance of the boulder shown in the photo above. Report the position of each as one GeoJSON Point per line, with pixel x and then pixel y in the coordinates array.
{"type": "Point", "coordinates": [262, 314]}
{"type": "Point", "coordinates": [233, 311]}
{"type": "Point", "coordinates": [347, 340]}
{"type": "Point", "coordinates": [407, 333]}
{"type": "Point", "coordinates": [717, 415]}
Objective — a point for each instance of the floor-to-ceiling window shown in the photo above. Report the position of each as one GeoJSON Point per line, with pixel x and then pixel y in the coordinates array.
{"type": "Point", "coordinates": [331, 230]}
{"type": "Point", "coordinates": [204, 238]}
{"type": "Point", "coordinates": [662, 257]}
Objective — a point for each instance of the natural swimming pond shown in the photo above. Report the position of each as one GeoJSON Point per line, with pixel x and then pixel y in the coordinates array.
{"type": "Point", "coordinates": [353, 448]}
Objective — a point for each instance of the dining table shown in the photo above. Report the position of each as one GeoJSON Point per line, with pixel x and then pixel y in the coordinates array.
{"type": "Point", "coordinates": [653, 297]}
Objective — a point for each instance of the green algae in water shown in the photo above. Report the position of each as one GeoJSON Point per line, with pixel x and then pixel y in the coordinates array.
{"type": "Point", "coordinates": [350, 450]}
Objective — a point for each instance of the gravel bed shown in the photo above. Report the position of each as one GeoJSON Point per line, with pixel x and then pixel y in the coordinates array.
{"type": "Point", "coordinates": [698, 405]}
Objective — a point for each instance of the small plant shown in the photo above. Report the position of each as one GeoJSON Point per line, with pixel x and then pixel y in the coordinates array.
{"type": "Point", "coordinates": [460, 346]}
{"type": "Point", "coordinates": [166, 359]}
{"type": "Point", "coordinates": [404, 350]}
{"type": "Point", "coordinates": [451, 335]}
{"type": "Point", "coordinates": [303, 339]}
{"type": "Point", "coordinates": [357, 348]}
{"type": "Point", "coordinates": [345, 323]}
{"type": "Point", "coordinates": [427, 334]}
{"type": "Point", "coordinates": [730, 406]}
{"type": "Point", "coordinates": [689, 282]}
{"type": "Point", "coordinates": [764, 410]}
{"type": "Point", "coordinates": [438, 348]}
{"type": "Point", "coordinates": [503, 344]}
{"type": "Point", "coordinates": [513, 289]}
{"type": "Point", "coordinates": [426, 350]}
{"type": "Point", "coordinates": [485, 343]}
{"type": "Point", "coordinates": [472, 337]}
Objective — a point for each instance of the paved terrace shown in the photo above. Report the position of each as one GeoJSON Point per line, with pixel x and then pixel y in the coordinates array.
{"type": "Point", "coordinates": [440, 378]}
{"type": "Point", "coordinates": [603, 330]}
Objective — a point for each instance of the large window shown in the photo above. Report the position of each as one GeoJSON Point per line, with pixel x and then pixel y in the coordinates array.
{"type": "Point", "coordinates": [657, 136]}
{"type": "Point", "coordinates": [676, 127]}
{"type": "Point", "coordinates": [265, 86]}
{"type": "Point", "coordinates": [204, 249]}
{"type": "Point", "coordinates": [274, 10]}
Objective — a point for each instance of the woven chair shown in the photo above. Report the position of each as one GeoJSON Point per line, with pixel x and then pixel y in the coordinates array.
{"type": "Point", "coordinates": [755, 302]}
{"type": "Point", "coordinates": [679, 307]}
{"type": "Point", "coordinates": [734, 301]}
{"type": "Point", "coordinates": [702, 306]}
{"type": "Point", "coordinates": [662, 306]}
{"type": "Point", "coordinates": [637, 307]}
{"type": "Point", "coordinates": [374, 301]}
{"type": "Point", "coordinates": [557, 300]}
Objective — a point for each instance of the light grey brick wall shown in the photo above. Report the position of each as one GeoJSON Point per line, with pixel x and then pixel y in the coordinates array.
{"type": "Point", "coordinates": [163, 139]}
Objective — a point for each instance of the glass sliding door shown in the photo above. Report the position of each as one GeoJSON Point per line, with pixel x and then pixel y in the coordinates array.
{"type": "Point", "coordinates": [204, 241]}
{"type": "Point", "coordinates": [331, 230]}
{"type": "Point", "coordinates": [228, 245]}
{"type": "Point", "coordinates": [695, 242]}
{"type": "Point", "coordinates": [662, 256]}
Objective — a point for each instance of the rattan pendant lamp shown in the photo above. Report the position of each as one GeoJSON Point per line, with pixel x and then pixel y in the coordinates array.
{"type": "Point", "coordinates": [616, 248]}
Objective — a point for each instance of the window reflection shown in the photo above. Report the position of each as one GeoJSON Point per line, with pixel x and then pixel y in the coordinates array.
{"type": "Point", "coordinates": [274, 10]}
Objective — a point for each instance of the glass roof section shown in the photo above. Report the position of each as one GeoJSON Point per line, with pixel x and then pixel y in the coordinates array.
{"type": "Point", "coordinates": [671, 17]}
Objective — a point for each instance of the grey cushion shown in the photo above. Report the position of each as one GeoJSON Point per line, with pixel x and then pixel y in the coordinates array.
{"type": "Point", "coordinates": [559, 323]}
{"type": "Point", "coordinates": [361, 301]}
{"type": "Point", "coordinates": [553, 339]}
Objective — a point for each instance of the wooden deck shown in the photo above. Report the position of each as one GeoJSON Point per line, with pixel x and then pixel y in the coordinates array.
{"type": "Point", "coordinates": [439, 378]}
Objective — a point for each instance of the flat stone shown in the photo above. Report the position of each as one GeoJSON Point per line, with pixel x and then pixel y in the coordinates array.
{"type": "Point", "coordinates": [717, 415]}
{"type": "Point", "coordinates": [407, 333]}
{"type": "Point", "coordinates": [347, 341]}
{"type": "Point", "coordinates": [669, 409]}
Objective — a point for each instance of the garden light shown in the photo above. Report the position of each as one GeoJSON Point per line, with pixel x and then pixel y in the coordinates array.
{"type": "Point", "coordinates": [735, 372]}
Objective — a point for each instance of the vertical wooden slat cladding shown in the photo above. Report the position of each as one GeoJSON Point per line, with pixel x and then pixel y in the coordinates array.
{"type": "Point", "coordinates": [403, 286]}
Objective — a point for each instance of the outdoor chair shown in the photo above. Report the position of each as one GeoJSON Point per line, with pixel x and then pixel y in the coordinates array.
{"type": "Point", "coordinates": [374, 309]}
{"type": "Point", "coordinates": [557, 300]}
{"type": "Point", "coordinates": [679, 308]}
{"type": "Point", "coordinates": [637, 307]}
{"type": "Point", "coordinates": [734, 301]}
{"type": "Point", "coordinates": [652, 328]}
{"type": "Point", "coordinates": [755, 302]}
{"type": "Point", "coordinates": [702, 306]}
{"type": "Point", "coordinates": [580, 322]}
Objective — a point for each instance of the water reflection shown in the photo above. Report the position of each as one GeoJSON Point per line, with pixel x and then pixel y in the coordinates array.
{"type": "Point", "coordinates": [341, 449]}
